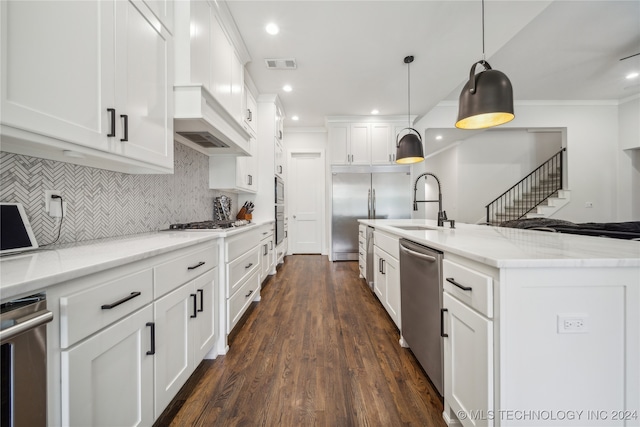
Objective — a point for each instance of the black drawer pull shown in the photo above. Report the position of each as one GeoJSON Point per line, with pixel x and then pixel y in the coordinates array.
{"type": "Point", "coordinates": [126, 127]}
{"type": "Point", "coordinates": [193, 267]}
{"type": "Point", "coordinates": [248, 265]}
{"type": "Point", "coordinates": [201, 292]}
{"type": "Point", "coordinates": [152, 325]}
{"type": "Point", "coordinates": [442, 334]}
{"type": "Point", "coordinates": [122, 301]}
{"type": "Point", "coordinates": [464, 288]}
{"type": "Point", "coordinates": [249, 294]}
{"type": "Point", "coordinates": [195, 306]}
{"type": "Point", "coordinates": [112, 113]}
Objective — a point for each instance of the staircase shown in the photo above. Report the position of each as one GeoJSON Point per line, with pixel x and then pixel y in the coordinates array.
{"type": "Point", "coordinates": [538, 195]}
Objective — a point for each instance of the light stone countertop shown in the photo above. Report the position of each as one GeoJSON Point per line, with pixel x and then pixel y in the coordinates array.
{"type": "Point", "coordinates": [516, 248]}
{"type": "Point", "coordinates": [33, 271]}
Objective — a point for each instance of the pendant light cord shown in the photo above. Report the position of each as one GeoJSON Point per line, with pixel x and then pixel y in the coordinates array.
{"type": "Point", "coordinates": [409, 93]}
{"type": "Point", "coordinates": [483, 57]}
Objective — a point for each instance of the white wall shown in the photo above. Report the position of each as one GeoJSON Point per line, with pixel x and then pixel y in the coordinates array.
{"type": "Point", "coordinates": [592, 151]}
{"type": "Point", "coordinates": [629, 160]}
{"type": "Point", "coordinates": [445, 167]}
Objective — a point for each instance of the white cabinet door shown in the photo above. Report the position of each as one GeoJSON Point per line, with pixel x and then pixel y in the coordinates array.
{"type": "Point", "coordinates": [339, 144]}
{"type": "Point", "coordinates": [360, 144]}
{"type": "Point", "coordinates": [143, 87]}
{"type": "Point", "coordinates": [250, 112]}
{"type": "Point", "coordinates": [237, 87]}
{"type": "Point", "coordinates": [57, 69]}
{"type": "Point", "coordinates": [203, 331]}
{"type": "Point", "coordinates": [392, 297]}
{"type": "Point", "coordinates": [380, 144]}
{"type": "Point", "coordinates": [468, 362]}
{"type": "Point", "coordinates": [220, 65]}
{"type": "Point", "coordinates": [107, 380]}
{"type": "Point", "coordinates": [173, 367]}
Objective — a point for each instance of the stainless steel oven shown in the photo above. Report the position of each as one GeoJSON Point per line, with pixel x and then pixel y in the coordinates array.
{"type": "Point", "coordinates": [23, 348]}
{"type": "Point", "coordinates": [279, 224]}
{"type": "Point", "coordinates": [279, 187]}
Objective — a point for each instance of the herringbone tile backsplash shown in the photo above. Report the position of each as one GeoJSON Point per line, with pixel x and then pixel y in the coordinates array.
{"type": "Point", "coordinates": [102, 203]}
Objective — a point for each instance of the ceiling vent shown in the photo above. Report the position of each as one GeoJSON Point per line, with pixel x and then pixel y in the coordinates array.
{"type": "Point", "coordinates": [281, 64]}
{"type": "Point", "coordinates": [204, 139]}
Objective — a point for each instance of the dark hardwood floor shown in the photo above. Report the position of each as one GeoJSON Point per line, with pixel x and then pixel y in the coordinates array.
{"type": "Point", "coordinates": [320, 350]}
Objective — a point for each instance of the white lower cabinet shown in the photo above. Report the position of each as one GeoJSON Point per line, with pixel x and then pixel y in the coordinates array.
{"type": "Point", "coordinates": [130, 337]}
{"type": "Point", "coordinates": [468, 362]}
{"type": "Point", "coordinates": [108, 379]}
{"type": "Point", "coordinates": [387, 283]}
{"type": "Point", "coordinates": [185, 329]}
{"type": "Point", "coordinates": [243, 272]}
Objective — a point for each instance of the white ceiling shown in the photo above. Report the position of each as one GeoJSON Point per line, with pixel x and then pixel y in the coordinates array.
{"type": "Point", "coordinates": [350, 53]}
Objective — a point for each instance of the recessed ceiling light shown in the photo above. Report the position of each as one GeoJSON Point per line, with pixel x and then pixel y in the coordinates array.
{"type": "Point", "coordinates": [438, 137]}
{"type": "Point", "coordinates": [272, 29]}
{"type": "Point", "coordinates": [287, 88]}
{"type": "Point", "coordinates": [374, 111]}
{"type": "Point", "coordinates": [632, 75]}
{"type": "Point", "coordinates": [296, 118]}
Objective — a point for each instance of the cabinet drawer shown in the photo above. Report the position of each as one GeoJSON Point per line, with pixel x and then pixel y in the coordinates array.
{"type": "Point", "coordinates": [361, 242]}
{"type": "Point", "coordinates": [266, 230]}
{"type": "Point", "coordinates": [478, 287]}
{"type": "Point", "coordinates": [86, 312]}
{"type": "Point", "coordinates": [183, 268]}
{"type": "Point", "coordinates": [241, 268]}
{"type": "Point", "coordinates": [241, 243]}
{"type": "Point", "coordinates": [238, 303]}
{"type": "Point", "coordinates": [387, 243]}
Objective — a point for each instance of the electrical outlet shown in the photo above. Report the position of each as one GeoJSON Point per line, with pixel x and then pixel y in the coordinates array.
{"type": "Point", "coordinates": [573, 324]}
{"type": "Point", "coordinates": [53, 206]}
{"type": "Point", "coordinates": [588, 204]}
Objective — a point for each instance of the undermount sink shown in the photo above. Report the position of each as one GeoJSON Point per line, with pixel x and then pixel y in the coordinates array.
{"type": "Point", "coordinates": [413, 227]}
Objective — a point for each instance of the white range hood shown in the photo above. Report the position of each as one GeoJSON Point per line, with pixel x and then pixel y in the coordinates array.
{"type": "Point", "coordinates": [202, 123]}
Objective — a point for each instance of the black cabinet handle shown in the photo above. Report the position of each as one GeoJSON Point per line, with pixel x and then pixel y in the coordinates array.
{"type": "Point", "coordinates": [201, 292]}
{"type": "Point", "coordinates": [248, 265]}
{"type": "Point", "coordinates": [250, 180]}
{"type": "Point", "coordinates": [250, 115]}
{"type": "Point", "coordinates": [384, 270]}
{"type": "Point", "coordinates": [126, 127]}
{"type": "Point", "coordinates": [193, 267]}
{"type": "Point", "coordinates": [442, 334]}
{"type": "Point", "coordinates": [195, 306]}
{"type": "Point", "coordinates": [464, 288]}
{"type": "Point", "coordinates": [266, 249]}
{"type": "Point", "coordinates": [112, 112]}
{"type": "Point", "coordinates": [271, 244]}
{"type": "Point", "coordinates": [152, 325]}
{"type": "Point", "coordinates": [249, 294]}
{"type": "Point", "coordinates": [122, 301]}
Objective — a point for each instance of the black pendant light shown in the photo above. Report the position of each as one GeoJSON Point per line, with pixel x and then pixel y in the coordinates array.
{"type": "Point", "coordinates": [409, 148]}
{"type": "Point", "coordinates": [487, 98]}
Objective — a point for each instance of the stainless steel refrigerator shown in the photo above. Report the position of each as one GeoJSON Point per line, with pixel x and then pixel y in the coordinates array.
{"type": "Point", "coordinates": [365, 192]}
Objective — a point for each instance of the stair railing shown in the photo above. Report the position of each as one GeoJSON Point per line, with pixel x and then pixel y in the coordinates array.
{"type": "Point", "coordinates": [530, 191]}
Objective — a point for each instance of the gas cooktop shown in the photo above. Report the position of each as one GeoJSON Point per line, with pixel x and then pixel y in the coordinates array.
{"type": "Point", "coordinates": [209, 225]}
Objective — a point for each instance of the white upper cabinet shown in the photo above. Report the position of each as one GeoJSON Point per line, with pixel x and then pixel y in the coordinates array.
{"type": "Point", "coordinates": [382, 144]}
{"type": "Point", "coordinates": [93, 78]}
{"type": "Point", "coordinates": [360, 144]}
{"type": "Point", "coordinates": [363, 143]}
{"type": "Point", "coordinates": [250, 112]}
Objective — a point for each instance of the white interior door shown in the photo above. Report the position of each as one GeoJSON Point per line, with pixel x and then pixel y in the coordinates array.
{"type": "Point", "coordinates": [306, 190]}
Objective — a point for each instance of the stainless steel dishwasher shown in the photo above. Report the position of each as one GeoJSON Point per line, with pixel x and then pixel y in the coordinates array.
{"type": "Point", "coordinates": [421, 291]}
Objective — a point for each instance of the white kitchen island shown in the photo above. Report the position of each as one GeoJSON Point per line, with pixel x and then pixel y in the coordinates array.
{"type": "Point", "coordinates": [544, 328]}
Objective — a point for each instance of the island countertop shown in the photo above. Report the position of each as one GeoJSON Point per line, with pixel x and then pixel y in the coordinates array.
{"type": "Point", "coordinates": [517, 248]}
